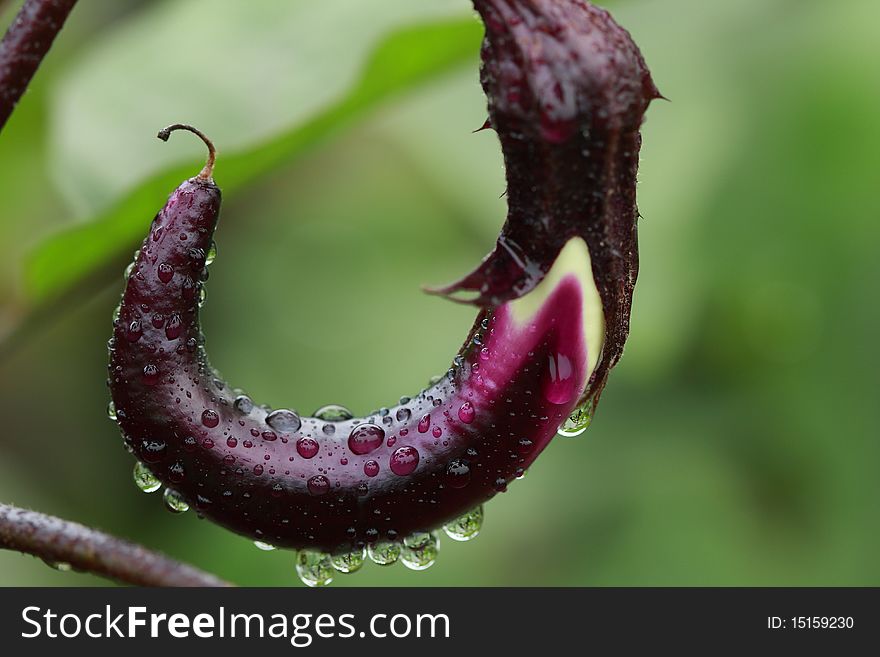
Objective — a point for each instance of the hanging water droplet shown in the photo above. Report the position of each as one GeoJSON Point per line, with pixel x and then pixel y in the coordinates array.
{"type": "Point", "coordinates": [284, 420]}
{"type": "Point", "coordinates": [419, 551]}
{"type": "Point", "coordinates": [434, 380]}
{"type": "Point", "coordinates": [314, 568]}
{"type": "Point", "coordinates": [116, 311]}
{"type": "Point", "coordinates": [144, 479]}
{"type": "Point", "coordinates": [384, 553]}
{"type": "Point", "coordinates": [466, 527]}
{"type": "Point", "coordinates": [128, 271]}
{"type": "Point", "coordinates": [266, 547]}
{"type": "Point", "coordinates": [576, 423]}
{"type": "Point", "coordinates": [111, 410]}
{"type": "Point", "coordinates": [211, 255]}
{"type": "Point", "coordinates": [349, 563]}
{"type": "Point", "coordinates": [61, 566]}
{"type": "Point", "coordinates": [174, 501]}
{"type": "Point", "coordinates": [333, 413]}
{"type": "Point", "coordinates": [203, 295]}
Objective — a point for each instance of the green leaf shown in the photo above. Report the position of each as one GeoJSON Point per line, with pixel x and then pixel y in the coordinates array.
{"type": "Point", "coordinates": [409, 57]}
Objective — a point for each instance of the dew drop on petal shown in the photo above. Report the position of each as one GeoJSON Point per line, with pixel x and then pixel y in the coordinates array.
{"type": "Point", "coordinates": [307, 447]}
{"type": "Point", "coordinates": [578, 422]}
{"type": "Point", "coordinates": [419, 551]}
{"type": "Point", "coordinates": [404, 460]}
{"type": "Point", "coordinates": [144, 479]}
{"type": "Point", "coordinates": [284, 420]}
{"type": "Point", "coordinates": [466, 527]}
{"type": "Point", "coordinates": [150, 374]}
{"type": "Point", "coordinates": [318, 485]}
{"type": "Point", "coordinates": [174, 501]}
{"type": "Point", "coordinates": [458, 473]}
{"type": "Point", "coordinates": [424, 423]}
{"type": "Point", "coordinates": [366, 438]}
{"type": "Point", "coordinates": [210, 418]}
{"type": "Point", "coordinates": [333, 413]}
{"type": "Point", "coordinates": [243, 404]}
{"type": "Point", "coordinates": [466, 413]}
{"type": "Point", "coordinates": [314, 568]}
{"type": "Point", "coordinates": [384, 553]}
{"type": "Point", "coordinates": [165, 272]}
{"type": "Point", "coordinates": [349, 563]}
{"type": "Point", "coordinates": [211, 255]}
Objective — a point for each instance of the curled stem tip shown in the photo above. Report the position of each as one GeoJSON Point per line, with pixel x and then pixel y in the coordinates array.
{"type": "Point", "coordinates": [208, 170]}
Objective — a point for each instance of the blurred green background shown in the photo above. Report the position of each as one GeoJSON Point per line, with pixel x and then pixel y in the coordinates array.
{"type": "Point", "coordinates": [737, 441]}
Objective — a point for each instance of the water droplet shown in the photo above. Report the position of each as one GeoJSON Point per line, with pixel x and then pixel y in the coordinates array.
{"type": "Point", "coordinates": [349, 563]}
{"type": "Point", "coordinates": [366, 438]}
{"type": "Point", "coordinates": [243, 404]}
{"type": "Point", "coordinates": [153, 451]}
{"type": "Point", "coordinates": [466, 413]}
{"type": "Point", "coordinates": [333, 413]}
{"type": "Point", "coordinates": [150, 374]}
{"type": "Point", "coordinates": [466, 527]}
{"type": "Point", "coordinates": [371, 468]}
{"type": "Point", "coordinates": [133, 331]}
{"type": "Point", "coordinates": [560, 383]}
{"type": "Point", "coordinates": [174, 327]}
{"type": "Point", "coordinates": [265, 547]}
{"type": "Point", "coordinates": [314, 568]}
{"type": "Point", "coordinates": [384, 553]}
{"type": "Point", "coordinates": [203, 295]}
{"type": "Point", "coordinates": [404, 460]}
{"type": "Point", "coordinates": [111, 411]}
{"type": "Point", "coordinates": [458, 473]}
{"type": "Point", "coordinates": [174, 501]}
{"type": "Point", "coordinates": [144, 479]}
{"type": "Point", "coordinates": [424, 424]}
{"type": "Point", "coordinates": [434, 380]}
{"type": "Point", "coordinates": [318, 485]}
{"type": "Point", "coordinates": [524, 446]}
{"type": "Point", "coordinates": [269, 435]}
{"type": "Point", "coordinates": [210, 418]}
{"type": "Point", "coordinates": [128, 271]}
{"type": "Point", "coordinates": [436, 432]}
{"type": "Point", "coordinates": [578, 422]}
{"type": "Point", "coordinates": [284, 420]}
{"type": "Point", "coordinates": [258, 469]}
{"type": "Point", "coordinates": [419, 551]}
{"type": "Point", "coordinates": [328, 429]}
{"type": "Point", "coordinates": [211, 255]}
{"type": "Point", "coordinates": [307, 447]}
{"type": "Point", "coordinates": [61, 566]}
{"type": "Point", "coordinates": [166, 272]}
{"type": "Point", "coordinates": [403, 414]}
{"type": "Point", "coordinates": [176, 472]}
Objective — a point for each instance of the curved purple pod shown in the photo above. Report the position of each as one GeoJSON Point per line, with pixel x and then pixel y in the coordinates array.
{"type": "Point", "coordinates": [553, 296]}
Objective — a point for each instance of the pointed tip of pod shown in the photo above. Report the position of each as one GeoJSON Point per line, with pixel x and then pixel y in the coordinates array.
{"type": "Point", "coordinates": [555, 67]}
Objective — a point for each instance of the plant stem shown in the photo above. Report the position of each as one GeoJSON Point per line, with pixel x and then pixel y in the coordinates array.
{"type": "Point", "coordinates": [60, 541]}
{"type": "Point", "coordinates": [25, 44]}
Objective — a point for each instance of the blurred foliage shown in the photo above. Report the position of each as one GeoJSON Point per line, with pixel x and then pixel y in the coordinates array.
{"type": "Point", "coordinates": [736, 443]}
